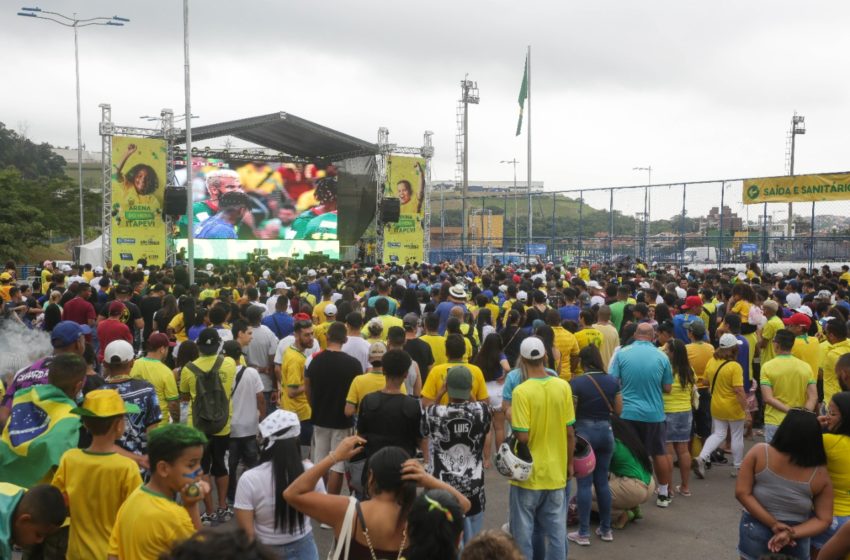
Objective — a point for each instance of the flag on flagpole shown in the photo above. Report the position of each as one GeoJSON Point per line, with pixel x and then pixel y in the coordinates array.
{"type": "Point", "coordinates": [523, 94]}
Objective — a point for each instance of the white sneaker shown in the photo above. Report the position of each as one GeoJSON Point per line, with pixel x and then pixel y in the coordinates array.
{"type": "Point", "coordinates": [325, 526]}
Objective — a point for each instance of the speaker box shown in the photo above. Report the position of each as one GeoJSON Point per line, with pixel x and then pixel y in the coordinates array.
{"type": "Point", "coordinates": [390, 210]}
{"type": "Point", "coordinates": [175, 201]}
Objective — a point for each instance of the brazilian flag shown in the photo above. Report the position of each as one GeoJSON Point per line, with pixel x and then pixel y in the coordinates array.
{"type": "Point", "coordinates": [40, 429]}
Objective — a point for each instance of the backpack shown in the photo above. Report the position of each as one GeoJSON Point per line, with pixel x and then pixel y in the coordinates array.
{"type": "Point", "coordinates": [211, 407]}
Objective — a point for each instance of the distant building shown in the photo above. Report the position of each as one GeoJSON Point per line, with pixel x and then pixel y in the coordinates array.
{"type": "Point", "coordinates": [92, 172]}
{"type": "Point", "coordinates": [70, 156]}
{"type": "Point", "coordinates": [489, 186]}
{"type": "Point", "coordinates": [726, 219]}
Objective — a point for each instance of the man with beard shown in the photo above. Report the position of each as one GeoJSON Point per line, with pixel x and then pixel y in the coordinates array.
{"type": "Point", "coordinates": [232, 208]}
{"type": "Point", "coordinates": [218, 183]}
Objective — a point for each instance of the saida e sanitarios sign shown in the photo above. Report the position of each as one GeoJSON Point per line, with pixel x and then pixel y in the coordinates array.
{"type": "Point", "coordinates": [797, 188]}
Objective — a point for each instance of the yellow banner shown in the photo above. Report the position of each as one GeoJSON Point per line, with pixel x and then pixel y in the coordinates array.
{"type": "Point", "coordinates": [138, 186]}
{"type": "Point", "coordinates": [799, 188]}
{"type": "Point", "coordinates": [404, 240]}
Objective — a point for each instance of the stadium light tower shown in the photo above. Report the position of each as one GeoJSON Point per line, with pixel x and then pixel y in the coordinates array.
{"type": "Point", "coordinates": [798, 126]}
{"type": "Point", "coordinates": [75, 23]}
{"type": "Point", "coordinates": [646, 203]}
{"type": "Point", "coordinates": [469, 95]}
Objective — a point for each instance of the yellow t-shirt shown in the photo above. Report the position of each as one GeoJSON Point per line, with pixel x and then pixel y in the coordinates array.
{"type": "Point", "coordinates": [157, 374]}
{"type": "Point", "coordinates": [724, 401]}
{"type": "Point", "coordinates": [742, 308]}
{"type": "Point", "coordinates": [148, 524]}
{"type": "Point", "coordinates": [387, 321]}
{"type": "Point", "coordinates": [610, 341]}
{"type": "Point", "coordinates": [319, 312]}
{"type": "Point", "coordinates": [768, 332]}
{"type": "Point", "coordinates": [207, 294]}
{"type": "Point", "coordinates": [96, 485]}
{"type": "Point", "coordinates": [789, 378]}
{"type": "Point", "coordinates": [679, 398]}
{"type": "Point", "coordinates": [584, 273]}
{"type": "Point", "coordinates": [365, 383]}
{"type": "Point", "coordinates": [845, 276]}
{"type": "Point", "coordinates": [807, 348]}
{"type": "Point", "coordinates": [179, 328]}
{"type": "Point", "coordinates": [494, 312]}
{"type": "Point", "coordinates": [292, 375]}
{"type": "Point", "coordinates": [437, 376]}
{"type": "Point", "coordinates": [567, 345]}
{"type": "Point", "coordinates": [227, 373]}
{"type": "Point", "coordinates": [699, 353]}
{"type": "Point", "coordinates": [585, 338]}
{"type": "Point", "coordinates": [830, 378]}
{"type": "Point", "coordinates": [837, 449]}
{"type": "Point", "coordinates": [543, 407]}
{"type": "Point", "coordinates": [320, 331]}
{"type": "Point", "coordinates": [438, 347]}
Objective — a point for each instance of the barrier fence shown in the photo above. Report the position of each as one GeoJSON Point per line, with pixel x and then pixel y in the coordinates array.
{"type": "Point", "coordinates": [700, 223]}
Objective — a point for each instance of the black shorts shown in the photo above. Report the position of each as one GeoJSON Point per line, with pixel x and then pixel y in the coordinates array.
{"type": "Point", "coordinates": [653, 435]}
{"type": "Point", "coordinates": [213, 460]}
{"type": "Point", "coordinates": [702, 416]}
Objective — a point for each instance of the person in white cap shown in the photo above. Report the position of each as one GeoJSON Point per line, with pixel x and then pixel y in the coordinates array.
{"type": "Point", "coordinates": [729, 412]}
{"type": "Point", "coordinates": [320, 331]}
{"type": "Point", "coordinates": [319, 315]}
{"type": "Point", "coordinates": [542, 417]}
{"type": "Point", "coordinates": [280, 289]}
{"type": "Point", "coordinates": [457, 298]}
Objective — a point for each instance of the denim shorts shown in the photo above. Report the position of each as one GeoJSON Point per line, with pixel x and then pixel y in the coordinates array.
{"type": "Point", "coordinates": [837, 522]}
{"type": "Point", "coordinates": [679, 426]}
{"type": "Point", "coordinates": [753, 537]}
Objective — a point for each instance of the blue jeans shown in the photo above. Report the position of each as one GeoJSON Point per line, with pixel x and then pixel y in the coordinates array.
{"type": "Point", "coordinates": [539, 522]}
{"type": "Point", "coordinates": [837, 521]}
{"type": "Point", "coordinates": [472, 526]}
{"type": "Point", "coordinates": [601, 438]}
{"type": "Point", "coordinates": [303, 549]}
{"type": "Point", "coordinates": [753, 537]}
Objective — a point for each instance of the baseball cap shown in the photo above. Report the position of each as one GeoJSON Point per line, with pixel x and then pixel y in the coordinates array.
{"type": "Point", "coordinates": [771, 304]}
{"type": "Point", "coordinates": [208, 341]}
{"type": "Point", "coordinates": [116, 307]}
{"type": "Point", "coordinates": [281, 286]}
{"type": "Point", "coordinates": [824, 294]}
{"type": "Point", "coordinates": [692, 302]}
{"type": "Point", "coordinates": [532, 348]}
{"type": "Point", "coordinates": [330, 310]}
{"type": "Point", "coordinates": [697, 327]}
{"type": "Point", "coordinates": [798, 319]}
{"type": "Point", "coordinates": [5, 276]}
{"type": "Point", "coordinates": [401, 282]}
{"type": "Point", "coordinates": [593, 285]}
{"type": "Point", "coordinates": [521, 295]}
{"type": "Point", "coordinates": [459, 382]}
{"type": "Point", "coordinates": [729, 341]}
{"type": "Point", "coordinates": [118, 352]}
{"type": "Point", "coordinates": [377, 351]}
{"type": "Point", "coordinates": [66, 333]}
{"type": "Point", "coordinates": [103, 403]}
{"type": "Point", "coordinates": [793, 300]}
{"type": "Point", "coordinates": [311, 272]}
{"type": "Point", "coordinates": [806, 310]}
{"type": "Point", "coordinates": [410, 321]}
{"type": "Point", "coordinates": [158, 340]}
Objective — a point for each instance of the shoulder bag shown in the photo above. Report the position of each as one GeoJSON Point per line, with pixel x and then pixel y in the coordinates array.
{"type": "Point", "coordinates": [345, 534]}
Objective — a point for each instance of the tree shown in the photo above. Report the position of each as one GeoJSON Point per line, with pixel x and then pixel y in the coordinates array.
{"type": "Point", "coordinates": [21, 224]}
{"type": "Point", "coordinates": [31, 159]}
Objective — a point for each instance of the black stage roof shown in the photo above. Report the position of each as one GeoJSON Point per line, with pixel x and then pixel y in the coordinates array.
{"type": "Point", "coordinates": [288, 134]}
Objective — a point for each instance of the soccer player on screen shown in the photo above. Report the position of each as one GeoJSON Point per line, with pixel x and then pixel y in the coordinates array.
{"type": "Point", "coordinates": [232, 207]}
{"type": "Point", "coordinates": [218, 183]}
{"type": "Point", "coordinates": [320, 222]}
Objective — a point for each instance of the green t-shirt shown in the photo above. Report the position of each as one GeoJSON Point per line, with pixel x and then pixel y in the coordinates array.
{"type": "Point", "coordinates": [624, 464]}
{"type": "Point", "coordinates": [617, 309]}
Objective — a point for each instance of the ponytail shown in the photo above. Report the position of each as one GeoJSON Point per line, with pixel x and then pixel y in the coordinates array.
{"type": "Point", "coordinates": [434, 526]}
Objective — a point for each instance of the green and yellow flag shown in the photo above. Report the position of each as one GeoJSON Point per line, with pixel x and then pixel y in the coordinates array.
{"type": "Point", "coordinates": [40, 429]}
{"type": "Point", "coordinates": [523, 94]}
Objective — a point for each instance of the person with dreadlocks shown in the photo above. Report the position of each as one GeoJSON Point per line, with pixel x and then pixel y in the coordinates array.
{"type": "Point", "coordinates": [319, 222]}
{"type": "Point", "coordinates": [267, 516]}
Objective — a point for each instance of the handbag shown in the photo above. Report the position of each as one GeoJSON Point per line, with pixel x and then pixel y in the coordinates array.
{"type": "Point", "coordinates": [695, 398]}
{"type": "Point", "coordinates": [345, 534]}
{"type": "Point", "coordinates": [601, 392]}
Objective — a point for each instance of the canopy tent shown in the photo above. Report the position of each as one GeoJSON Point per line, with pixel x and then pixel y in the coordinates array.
{"type": "Point", "coordinates": [91, 252]}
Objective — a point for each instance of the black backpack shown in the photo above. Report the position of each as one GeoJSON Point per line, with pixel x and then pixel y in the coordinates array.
{"type": "Point", "coordinates": [211, 407]}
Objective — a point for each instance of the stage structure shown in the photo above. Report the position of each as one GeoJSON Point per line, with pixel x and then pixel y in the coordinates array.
{"type": "Point", "coordinates": [279, 138]}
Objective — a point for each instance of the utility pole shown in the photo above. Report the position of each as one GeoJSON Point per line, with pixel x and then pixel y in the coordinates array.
{"type": "Point", "coordinates": [798, 126]}
{"type": "Point", "coordinates": [646, 208]}
{"type": "Point", "coordinates": [469, 95]}
{"type": "Point", "coordinates": [514, 162]}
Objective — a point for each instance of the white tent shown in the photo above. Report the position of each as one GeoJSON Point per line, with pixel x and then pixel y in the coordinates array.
{"type": "Point", "coordinates": [91, 252]}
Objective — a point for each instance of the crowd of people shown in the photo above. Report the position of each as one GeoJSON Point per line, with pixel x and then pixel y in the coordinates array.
{"type": "Point", "coordinates": [371, 400]}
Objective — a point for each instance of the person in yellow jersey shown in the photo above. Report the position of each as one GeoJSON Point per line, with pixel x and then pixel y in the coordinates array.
{"type": "Point", "coordinates": [836, 443]}
{"type": "Point", "coordinates": [806, 347]}
{"type": "Point", "coordinates": [432, 337]}
{"type": "Point", "coordinates": [566, 343]}
{"type": "Point", "coordinates": [774, 323]}
{"type": "Point", "coordinates": [154, 371]}
{"type": "Point", "coordinates": [678, 411]}
{"type": "Point", "coordinates": [319, 314]}
{"type": "Point", "coordinates": [97, 480]}
{"type": "Point", "coordinates": [320, 331]}
{"type": "Point", "coordinates": [213, 460]}
{"type": "Point", "coordinates": [839, 345]}
{"type": "Point", "coordinates": [382, 307]}
{"type": "Point", "coordinates": [150, 521]}
{"type": "Point", "coordinates": [371, 381]}
{"type": "Point", "coordinates": [586, 334]}
{"type": "Point", "coordinates": [455, 349]}
{"type": "Point", "coordinates": [542, 419]}
{"type": "Point", "coordinates": [28, 517]}
{"type": "Point", "coordinates": [293, 396]}
{"type": "Point", "coordinates": [786, 382]}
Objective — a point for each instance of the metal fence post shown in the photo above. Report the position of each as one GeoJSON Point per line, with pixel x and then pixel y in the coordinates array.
{"type": "Point", "coordinates": [720, 228]}
{"type": "Point", "coordinates": [812, 240]}
{"type": "Point", "coordinates": [580, 224]}
{"type": "Point", "coordinates": [764, 255]}
{"type": "Point", "coordinates": [554, 205]}
{"type": "Point", "coordinates": [504, 224]}
{"type": "Point", "coordinates": [644, 249]}
{"type": "Point", "coordinates": [682, 224]}
{"type": "Point", "coordinates": [611, 226]}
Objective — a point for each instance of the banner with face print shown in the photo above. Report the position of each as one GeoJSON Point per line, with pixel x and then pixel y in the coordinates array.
{"type": "Point", "coordinates": [404, 240]}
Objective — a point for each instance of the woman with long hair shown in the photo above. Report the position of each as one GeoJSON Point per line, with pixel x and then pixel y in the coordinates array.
{"type": "Point", "coordinates": [512, 335]}
{"type": "Point", "coordinates": [598, 398]}
{"type": "Point", "coordinates": [780, 485]}
{"type": "Point", "coordinates": [494, 365]}
{"type": "Point", "coordinates": [409, 303]}
{"type": "Point", "coordinates": [379, 528]}
{"type": "Point", "coordinates": [836, 443]}
{"type": "Point", "coordinates": [199, 323]}
{"type": "Point", "coordinates": [179, 325]}
{"type": "Point", "coordinates": [553, 355]}
{"type": "Point", "coordinates": [435, 526]}
{"type": "Point", "coordinates": [267, 516]}
{"type": "Point", "coordinates": [165, 314]}
{"type": "Point", "coordinates": [484, 323]}
{"type": "Point", "coordinates": [678, 408]}
{"type": "Point", "coordinates": [630, 480]}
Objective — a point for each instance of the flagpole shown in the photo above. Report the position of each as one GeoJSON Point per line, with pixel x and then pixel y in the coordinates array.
{"type": "Point", "coordinates": [528, 124]}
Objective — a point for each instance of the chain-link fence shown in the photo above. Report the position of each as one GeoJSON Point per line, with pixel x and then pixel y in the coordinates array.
{"type": "Point", "coordinates": [684, 224]}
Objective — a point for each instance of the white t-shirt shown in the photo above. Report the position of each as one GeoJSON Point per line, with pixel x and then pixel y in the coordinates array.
{"type": "Point", "coordinates": [225, 334]}
{"type": "Point", "coordinates": [255, 492]}
{"type": "Point", "coordinates": [263, 344]}
{"type": "Point", "coordinates": [288, 341]}
{"type": "Point", "coordinates": [358, 347]}
{"type": "Point", "coordinates": [246, 417]}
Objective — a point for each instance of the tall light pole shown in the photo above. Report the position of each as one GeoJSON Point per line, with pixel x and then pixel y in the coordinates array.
{"type": "Point", "coordinates": [514, 162]}
{"type": "Point", "coordinates": [190, 211]}
{"type": "Point", "coordinates": [646, 203]}
{"type": "Point", "coordinates": [75, 23]}
{"type": "Point", "coordinates": [798, 126]}
{"type": "Point", "coordinates": [469, 95]}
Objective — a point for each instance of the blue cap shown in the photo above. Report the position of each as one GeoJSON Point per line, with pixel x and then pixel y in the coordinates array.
{"type": "Point", "coordinates": [67, 333]}
{"type": "Point", "coordinates": [488, 294]}
{"type": "Point", "coordinates": [843, 305]}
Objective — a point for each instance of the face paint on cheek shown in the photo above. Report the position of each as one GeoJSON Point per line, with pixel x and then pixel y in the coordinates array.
{"type": "Point", "coordinates": [194, 474]}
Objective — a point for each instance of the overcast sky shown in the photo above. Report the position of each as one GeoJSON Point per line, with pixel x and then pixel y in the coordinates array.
{"type": "Point", "coordinates": [697, 90]}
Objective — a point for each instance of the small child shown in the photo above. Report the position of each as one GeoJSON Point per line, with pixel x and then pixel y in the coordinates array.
{"type": "Point", "coordinates": [28, 516]}
{"type": "Point", "coordinates": [97, 480]}
{"type": "Point", "coordinates": [151, 520]}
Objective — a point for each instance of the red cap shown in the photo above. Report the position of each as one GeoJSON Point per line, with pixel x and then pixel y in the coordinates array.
{"type": "Point", "coordinates": [158, 340]}
{"type": "Point", "coordinates": [798, 319]}
{"type": "Point", "coordinates": [116, 308]}
{"type": "Point", "coordinates": [301, 317]}
{"type": "Point", "coordinates": [691, 302]}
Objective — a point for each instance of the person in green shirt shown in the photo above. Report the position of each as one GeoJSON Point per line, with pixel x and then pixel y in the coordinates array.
{"type": "Point", "coordinates": [631, 480]}
{"type": "Point", "coordinates": [619, 306]}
